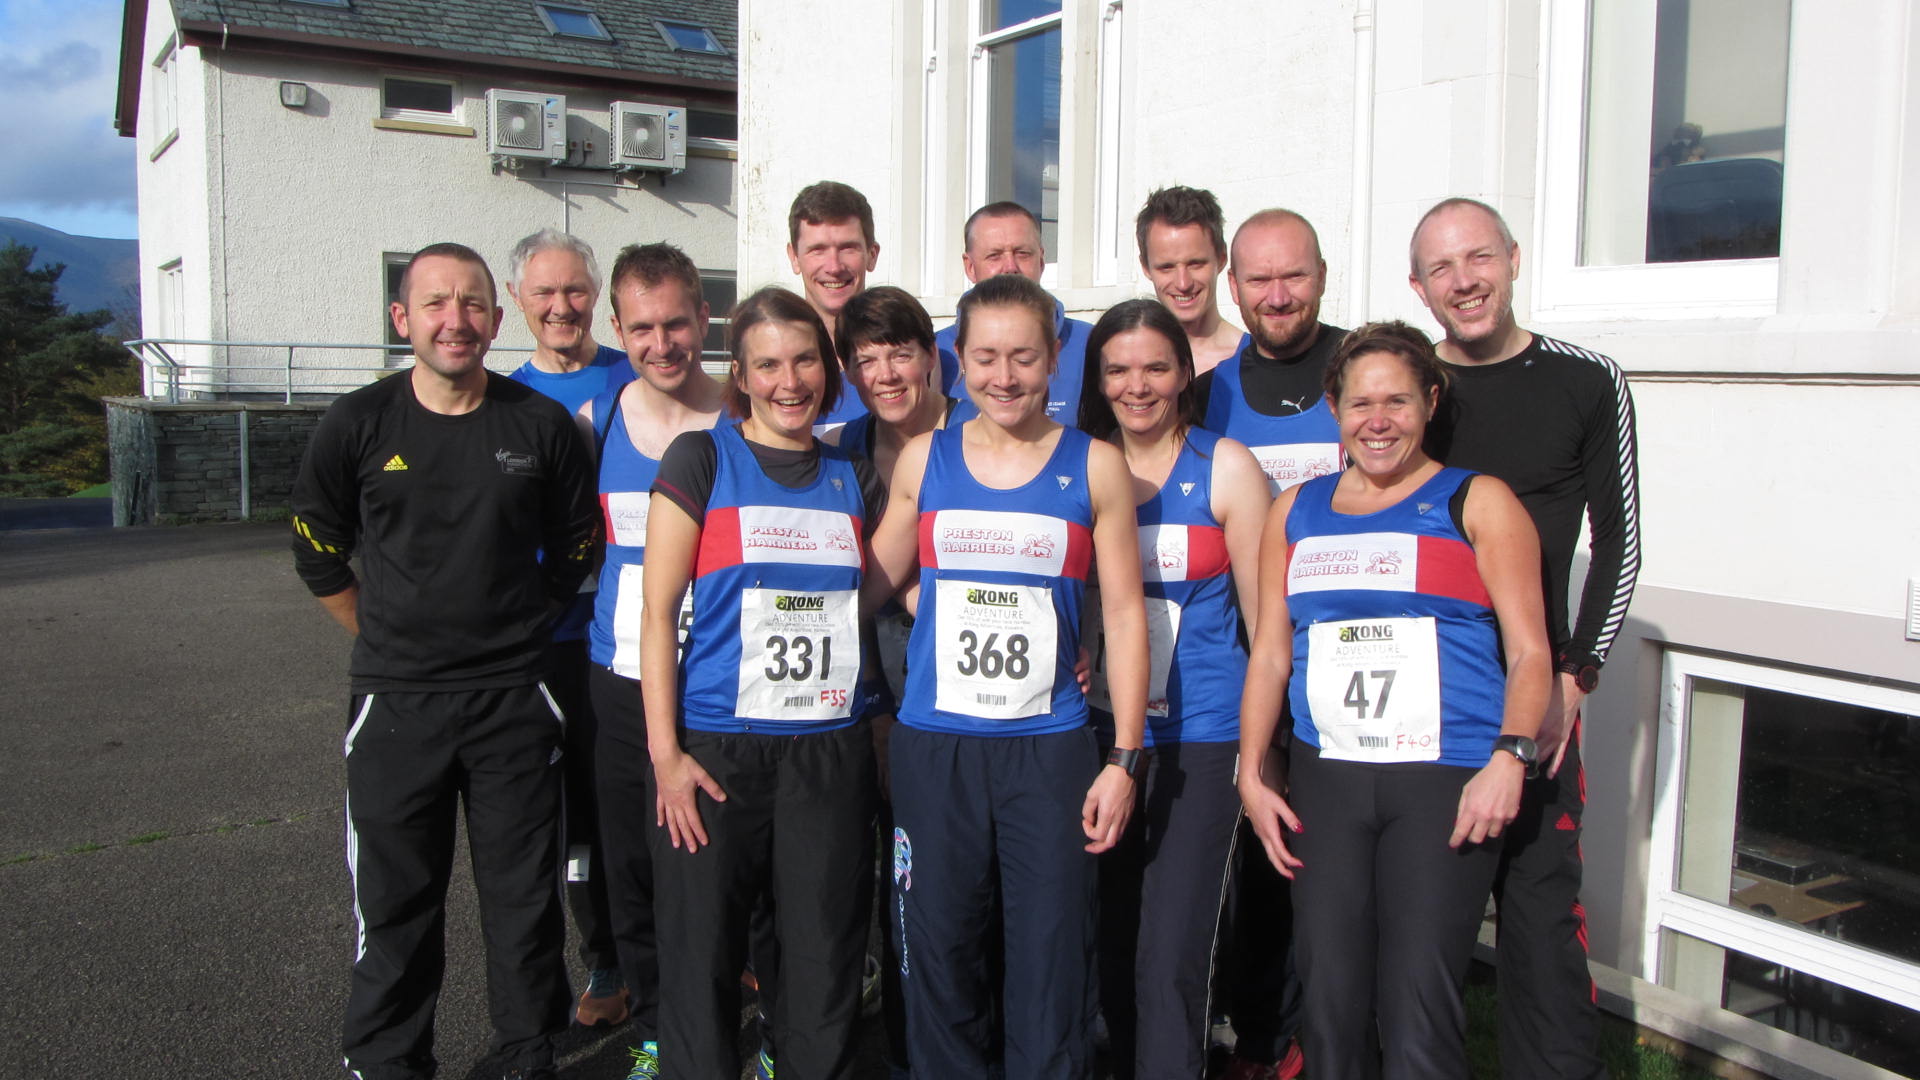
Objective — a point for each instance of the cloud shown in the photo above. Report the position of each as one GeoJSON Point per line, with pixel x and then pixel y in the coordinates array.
{"type": "Point", "coordinates": [57, 127]}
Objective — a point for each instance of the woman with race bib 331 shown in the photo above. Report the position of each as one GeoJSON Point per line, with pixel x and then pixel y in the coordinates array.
{"type": "Point", "coordinates": [1389, 595]}
{"type": "Point", "coordinates": [762, 762]}
{"type": "Point", "coordinates": [997, 778]}
{"type": "Point", "coordinates": [1201, 503]}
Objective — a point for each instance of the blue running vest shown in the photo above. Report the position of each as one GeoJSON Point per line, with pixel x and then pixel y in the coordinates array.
{"type": "Point", "coordinates": [775, 640]}
{"type": "Point", "coordinates": [626, 481]}
{"type": "Point", "coordinates": [1290, 449]}
{"type": "Point", "coordinates": [1002, 580]}
{"type": "Point", "coordinates": [1196, 663]}
{"type": "Point", "coordinates": [1396, 656]}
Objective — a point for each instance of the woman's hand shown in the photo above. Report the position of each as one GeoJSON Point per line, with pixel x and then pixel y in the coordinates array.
{"type": "Point", "coordinates": [676, 776]}
{"type": "Point", "coordinates": [1272, 818]}
{"type": "Point", "coordinates": [1490, 801]}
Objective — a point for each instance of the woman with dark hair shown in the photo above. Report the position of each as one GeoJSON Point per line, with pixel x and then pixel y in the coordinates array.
{"type": "Point", "coordinates": [1200, 501]}
{"type": "Point", "coordinates": [762, 761]}
{"type": "Point", "coordinates": [1390, 594]}
{"type": "Point", "coordinates": [999, 790]}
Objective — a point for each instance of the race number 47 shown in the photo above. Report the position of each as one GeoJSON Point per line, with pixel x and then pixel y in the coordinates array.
{"type": "Point", "coordinates": [1357, 698]}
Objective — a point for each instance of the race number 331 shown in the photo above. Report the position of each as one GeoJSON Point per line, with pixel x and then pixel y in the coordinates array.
{"type": "Point", "coordinates": [799, 653]}
{"type": "Point", "coordinates": [1374, 688]}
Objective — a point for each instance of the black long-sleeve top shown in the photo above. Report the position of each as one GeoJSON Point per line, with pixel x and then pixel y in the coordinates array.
{"type": "Point", "coordinates": [449, 516]}
{"type": "Point", "coordinates": [1555, 422]}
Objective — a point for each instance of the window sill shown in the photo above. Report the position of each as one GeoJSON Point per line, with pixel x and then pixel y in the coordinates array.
{"type": "Point", "coordinates": [171, 138]}
{"type": "Point", "coordinates": [726, 151]}
{"type": "Point", "coordinates": [460, 130]}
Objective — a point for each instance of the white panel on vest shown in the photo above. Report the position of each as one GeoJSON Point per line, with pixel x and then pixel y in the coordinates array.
{"type": "Point", "coordinates": [789, 535]}
{"type": "Point", "coordinates": [1386, 562]}
{"type": "Point", "coordinates": [1000, 540]}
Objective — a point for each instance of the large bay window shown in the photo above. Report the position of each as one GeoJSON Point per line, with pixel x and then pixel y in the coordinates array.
{"type": "Point", "coordinates": [1784, 883]}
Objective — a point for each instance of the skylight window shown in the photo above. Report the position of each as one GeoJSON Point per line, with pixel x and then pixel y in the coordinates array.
{"type": "Point", "coordinates": [572, 22]}
{"type": "Point", "coordinates": [324, 3]}
{"type": "Point", "coordinates": [689, 37]}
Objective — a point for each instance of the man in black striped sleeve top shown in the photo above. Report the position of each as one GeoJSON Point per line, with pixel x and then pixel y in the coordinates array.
{"type": "Point", "coordinates": [1556, 423]}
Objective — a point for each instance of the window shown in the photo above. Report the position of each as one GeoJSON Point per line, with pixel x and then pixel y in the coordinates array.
{"type": "Point", "coordinates": [712, 126]}
{"type": "Point", "coordinates": [162, 99]}
{"type": "Point", "coordinates": [170, 302]}
{"type": "Point", "coordinates": [399, 349]}
{"type": "Point", "coordinates": [721, 290]}
{"type": "Point", "coordinates": [1785, 877]}
{"type": "Point", "coordinates": [1016, 110]}
{"type": "Point", "coordinates": [324, 3]}
{"type": "Point", "coordinates": [572, 22]}
{"type": "Point", "coordinates": [689, 37]}
{"type": "Point", "coordinates": [426, 100]}
{"type": "Point", "coordinates": [1663, 147]}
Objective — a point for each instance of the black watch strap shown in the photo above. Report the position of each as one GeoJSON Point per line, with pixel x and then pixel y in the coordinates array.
{"type": "Point", "coordinates": [1128, 760]}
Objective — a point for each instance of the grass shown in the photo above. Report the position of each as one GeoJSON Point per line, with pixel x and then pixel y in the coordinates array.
{"type": "Point", "coordinates": [147, 838]}
{"type": "Point", "coordinates": [97, 491]}
{"type": "Point", "coordinates": [1624, 1052]}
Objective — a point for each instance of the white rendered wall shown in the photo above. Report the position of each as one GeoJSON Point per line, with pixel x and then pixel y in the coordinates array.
{"type": "Point", "coordinates": [173, 191]}
{"type": "Point", "coordinates": [307, 200]}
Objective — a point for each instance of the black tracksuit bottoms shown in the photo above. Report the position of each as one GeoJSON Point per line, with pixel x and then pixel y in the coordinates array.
{"type": "Point", "coordinates": [623, 783]}
{"type": "Point", "coordinates": [412, 757]}
{"type": "Point", "coordinates": [797, 822]}
{"type": "Point", "coordinates": [1549, 1023]}
{"type": "Point", "coordinates": [971, 812]}
{"type": "Point", "coordinates": [1161, 889]}
{"type": "Point", "coordinates": [1384, 916]}
{"type": "Point", "coordinates": [568, 679]}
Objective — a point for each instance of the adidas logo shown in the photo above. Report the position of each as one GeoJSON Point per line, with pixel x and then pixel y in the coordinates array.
{"type": "Point", "coordinates": [1186, 487]}
{"type": "Point", "coordinates": [1064, 481]}
{"type": "Point", "coordinates": [394, 464]}
{"type": "Point", "coordinates": [1566, 823]}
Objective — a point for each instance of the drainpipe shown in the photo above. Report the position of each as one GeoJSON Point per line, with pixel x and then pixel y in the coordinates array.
{"type": "Point", "coordinates": [1360, 233]}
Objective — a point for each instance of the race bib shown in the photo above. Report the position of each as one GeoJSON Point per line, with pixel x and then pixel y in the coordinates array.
{"type": "Point", "coordinates": [626, 623]}
{"type": "Point", "coordinates": [1373, 686]}
{"type": "Point", "coordinates": [799, 653]}
{"type": "Point", "coordinates": [995, 653]}
{"type": "Point", "coordinates": [1163, 630]}
{"type": "Point", "coordinates": [891, 633]}
{"type": "Point", "coordinates": [627, 517]}
{"type": "Point", "coordinates": [1295, 463]}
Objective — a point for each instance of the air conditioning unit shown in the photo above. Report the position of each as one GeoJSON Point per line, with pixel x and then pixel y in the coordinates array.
{"type": "Point", "coordinates": [527, 124]}
{"type": "Point", "coordinates": [648, 136]}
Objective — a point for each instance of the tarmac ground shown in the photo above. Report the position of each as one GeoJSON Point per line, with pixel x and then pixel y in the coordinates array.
{"type": "Point", "coordinates": [172, 869]}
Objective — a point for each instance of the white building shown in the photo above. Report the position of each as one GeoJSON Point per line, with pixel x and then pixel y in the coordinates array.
{"type": "Point", "coordinates": [293, 153]}
{"type": "Point", "coordinates": [1753, 747]}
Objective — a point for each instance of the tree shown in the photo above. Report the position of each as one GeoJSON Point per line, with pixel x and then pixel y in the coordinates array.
{"type": "Point", "coordinates": [54, 367]}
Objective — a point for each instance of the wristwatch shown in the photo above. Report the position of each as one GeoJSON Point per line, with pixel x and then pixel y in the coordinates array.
{"type": "Point", "coordinates": [1128, 760]}
{"type": "Point", "coordinates": [1523, 749]}
{"type": "Point", "coordinates": [1585, 676]}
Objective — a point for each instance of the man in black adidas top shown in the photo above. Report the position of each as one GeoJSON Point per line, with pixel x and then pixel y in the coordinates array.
{"type": "Point", "coordinates": [1556, 423]}
{"type": "Point", "coordinates": [449, 482]}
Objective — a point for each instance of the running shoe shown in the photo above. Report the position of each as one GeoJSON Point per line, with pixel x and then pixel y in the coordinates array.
{"type": "Point", "coordinates": [1289, 1067]}
{"type": "Point", "coordinates": [604, 1002]}
{"type": "Point", "coordinates": [763, 1066]}
{"type": "Point", "coordinates": [646, 1061]}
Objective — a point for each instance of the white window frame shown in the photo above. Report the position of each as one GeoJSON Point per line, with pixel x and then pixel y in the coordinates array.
{"type": "Point", "coordinates": [1721, 924]}
{"type": "Point", "coordinates": [1568, 292]}
{"type": "Point", "coordinates": [165, 97]}
{"type": "Point", "coordinates": [421, 116]}
{"type": "Point", "coordinates": [980, 108]}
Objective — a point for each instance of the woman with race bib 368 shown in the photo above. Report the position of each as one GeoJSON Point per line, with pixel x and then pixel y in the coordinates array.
{"type": "Point", "coordinates": [997, 778]}
{"type": "Point", "coordinates": [1390, 594]}
{"type": "Point", "coordinates": [1201, 501]}
{"type": "Point", "coordinates": [763, 764]}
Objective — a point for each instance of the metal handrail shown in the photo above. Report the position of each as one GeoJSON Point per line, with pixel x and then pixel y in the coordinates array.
{"type": "Point", "coordinates": [160, 368]}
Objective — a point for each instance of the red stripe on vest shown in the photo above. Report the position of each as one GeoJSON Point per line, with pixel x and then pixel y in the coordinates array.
{"type": "Point", "coordinates": [1448, 568]}
{"type": "Point", "coordinates": [1207, 552]}
{"type": "Point", "coordinates": [719, 541]}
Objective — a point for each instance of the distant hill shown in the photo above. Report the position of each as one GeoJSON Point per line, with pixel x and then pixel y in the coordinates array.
{"type": "Point", "coordinates": [100, 272]}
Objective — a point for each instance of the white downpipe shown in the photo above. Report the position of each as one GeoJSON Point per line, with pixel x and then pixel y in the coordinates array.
{"type": "Point", "coordinates": [1360, 245]}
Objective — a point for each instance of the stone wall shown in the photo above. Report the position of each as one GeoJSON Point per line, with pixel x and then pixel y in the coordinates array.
{"type": "Point", "coordinates": [179, 463]}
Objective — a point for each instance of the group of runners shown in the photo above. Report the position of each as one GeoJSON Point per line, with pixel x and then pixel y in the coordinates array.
{"type": "Point", "coordinates": [1169, 670]}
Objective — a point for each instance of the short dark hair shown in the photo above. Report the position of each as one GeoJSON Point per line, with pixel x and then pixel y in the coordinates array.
{"type": "Point", "coordinates": [1004, 290]}
{"type": "Point", "coordinates": [882, 315]}
{"type": "Point", "coordinates": [1003, 208]}
{"type": "Point", "coordinates": [445, 251]}
{"type": "Point", "coordinates": [828, 201]}
{"type": "Point", "coordinates": [651, 264]}
{"type": "Point", "coordinates": [1395, 338]}
{"type": "Point", "coordinates": [1178, 206]}
{"type": "Point", "coordinates": [1096, 412]}
{"type": "Point", "coordinates": [774, 304]}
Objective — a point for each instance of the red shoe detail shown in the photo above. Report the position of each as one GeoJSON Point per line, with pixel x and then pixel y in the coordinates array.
{"type": "Point", "coordinates": [1292, 1065]}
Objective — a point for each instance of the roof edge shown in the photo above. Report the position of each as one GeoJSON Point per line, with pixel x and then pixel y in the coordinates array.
{"type": "Point", "coordinates": [214, 35]}
{"type": "Point", "coordinates": [126, 98]}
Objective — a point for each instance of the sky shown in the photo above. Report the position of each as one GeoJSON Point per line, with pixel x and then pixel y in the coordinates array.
{"type": "Point", "coordinates": [64, 166]}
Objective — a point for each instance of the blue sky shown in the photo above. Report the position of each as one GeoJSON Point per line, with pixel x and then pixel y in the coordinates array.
{"type": "Point", "coordinates": [64, 166]}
